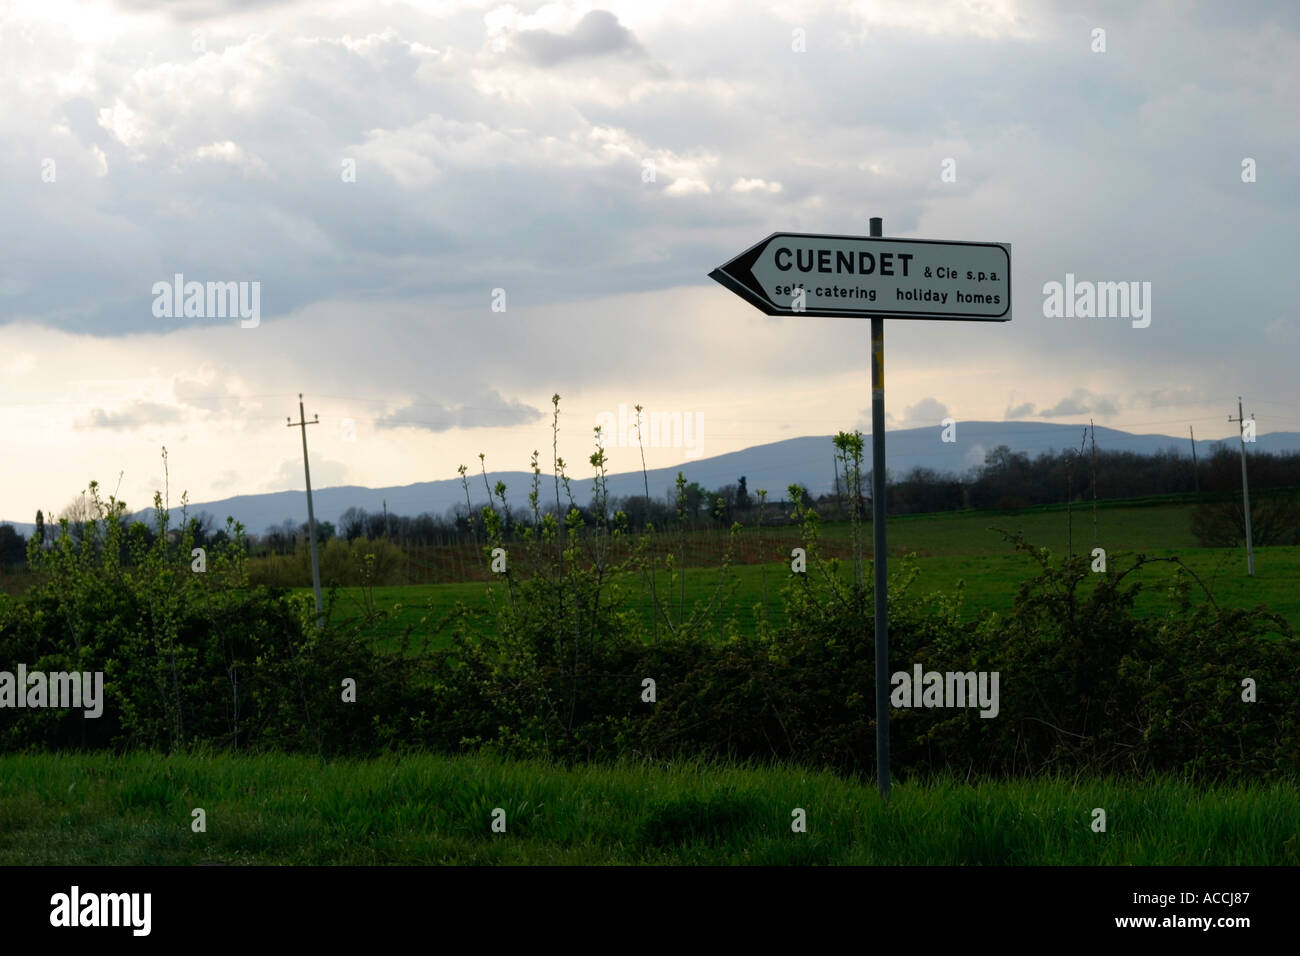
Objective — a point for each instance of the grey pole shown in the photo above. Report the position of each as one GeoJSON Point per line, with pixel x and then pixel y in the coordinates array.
{"type": "Point", "coordinates": [311, 514]}
{"type": "Point", "coordinates": [1245, 489]}
{"type": "Point", "coordinates": [878, 539]}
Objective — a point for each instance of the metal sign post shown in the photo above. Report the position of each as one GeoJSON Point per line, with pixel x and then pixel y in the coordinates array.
{"type": "Point", "coordinates": [876, 278]}
{"type": "Point", "coordinates": [878, 552]}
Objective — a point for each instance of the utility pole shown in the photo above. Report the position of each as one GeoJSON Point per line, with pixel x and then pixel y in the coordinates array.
{"type": "Point", "coordinates": [1245, 489]}
{"type": "Point", "coordinates": [1069, 495]}
{"type": "Point", "coordinates": [1196, 471]}
{"type": "Point", "coordinates": [1095, 535]}
{"type": "Point", "coordinates": [311, 513]}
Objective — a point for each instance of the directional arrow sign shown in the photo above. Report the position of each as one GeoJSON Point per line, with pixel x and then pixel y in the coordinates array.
{"type": "Point", "coordinates": [791, 273]}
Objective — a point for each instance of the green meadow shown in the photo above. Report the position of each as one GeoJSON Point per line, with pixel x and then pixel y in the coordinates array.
{"type": "Point", "coordinates": [965, 549]}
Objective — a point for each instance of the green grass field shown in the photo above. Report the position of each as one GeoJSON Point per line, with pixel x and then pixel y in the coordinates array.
{"type": "Point", "coordinates": [133, 810]}
{"type": "Point", "coordinates": [950, 548]}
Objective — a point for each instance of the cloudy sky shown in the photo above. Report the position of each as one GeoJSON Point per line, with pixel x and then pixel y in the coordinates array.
{"type": "Point", "coordinates": [453, 210]}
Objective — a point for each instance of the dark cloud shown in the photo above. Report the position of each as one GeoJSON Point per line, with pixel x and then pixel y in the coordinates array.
{"type": "Point", "coordinates": [1024, 410]}
{"type": "Point", "coordinates": [1066, 406]}
{"type": "Point", "coordinates": [488, 410]}
{"type": "Point", "coordinates": [596, 34]}
{"type": "Point", "coordinates": [186, 10]}
{"type": "Point", "coordinates": [1080, 402]}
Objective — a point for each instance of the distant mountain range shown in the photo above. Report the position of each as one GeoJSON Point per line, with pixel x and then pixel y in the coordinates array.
{"type": "Point", "coordinates": [775, 466]}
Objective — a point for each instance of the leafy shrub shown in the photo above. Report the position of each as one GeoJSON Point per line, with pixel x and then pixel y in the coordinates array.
{"type": "Point", "coordinates": [342, 564]}
{"type": "Point", "coordinates": [1274, 520]}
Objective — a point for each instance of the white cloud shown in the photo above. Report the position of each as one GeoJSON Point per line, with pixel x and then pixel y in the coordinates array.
{"type": "Point", "coordinates": [324, 474]}
{"type": "Point", "coordinates": [987, 19]}
{"type": "Point", "coordinates": [232, 154]}
{"type": "Point", "coordinates": [134, 415]}
{"type": "Point", "coordinates": [130, 128]}
{"type": "Point", "coordinates": [20, 364]}
{"type": "Point", "coordinates": [685, 186]}
{"type": "Point", "coordinates": [923, 414]}
{"type": "Point", "coordinates": [743, 185]}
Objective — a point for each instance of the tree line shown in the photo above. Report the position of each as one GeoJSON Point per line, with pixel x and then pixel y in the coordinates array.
{"type": "Point", "coordinates": [1009, 480]}
{"type": "Point", "coordinates": [1005, 480]}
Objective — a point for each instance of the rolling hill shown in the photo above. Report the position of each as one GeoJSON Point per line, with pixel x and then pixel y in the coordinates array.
{"type": "Point", "coordinates": [774, 466]}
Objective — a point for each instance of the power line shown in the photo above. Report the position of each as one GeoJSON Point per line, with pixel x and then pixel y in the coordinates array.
{"type": "Point", "coordinates": [194, 398]}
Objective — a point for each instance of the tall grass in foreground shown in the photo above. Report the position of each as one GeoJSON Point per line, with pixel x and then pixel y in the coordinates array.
{"type": "Point", "coordinates": [61, 809]}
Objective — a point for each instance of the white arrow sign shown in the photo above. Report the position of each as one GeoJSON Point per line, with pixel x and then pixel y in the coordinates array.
{"type": "Point", "coordinates": [857, 276]}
